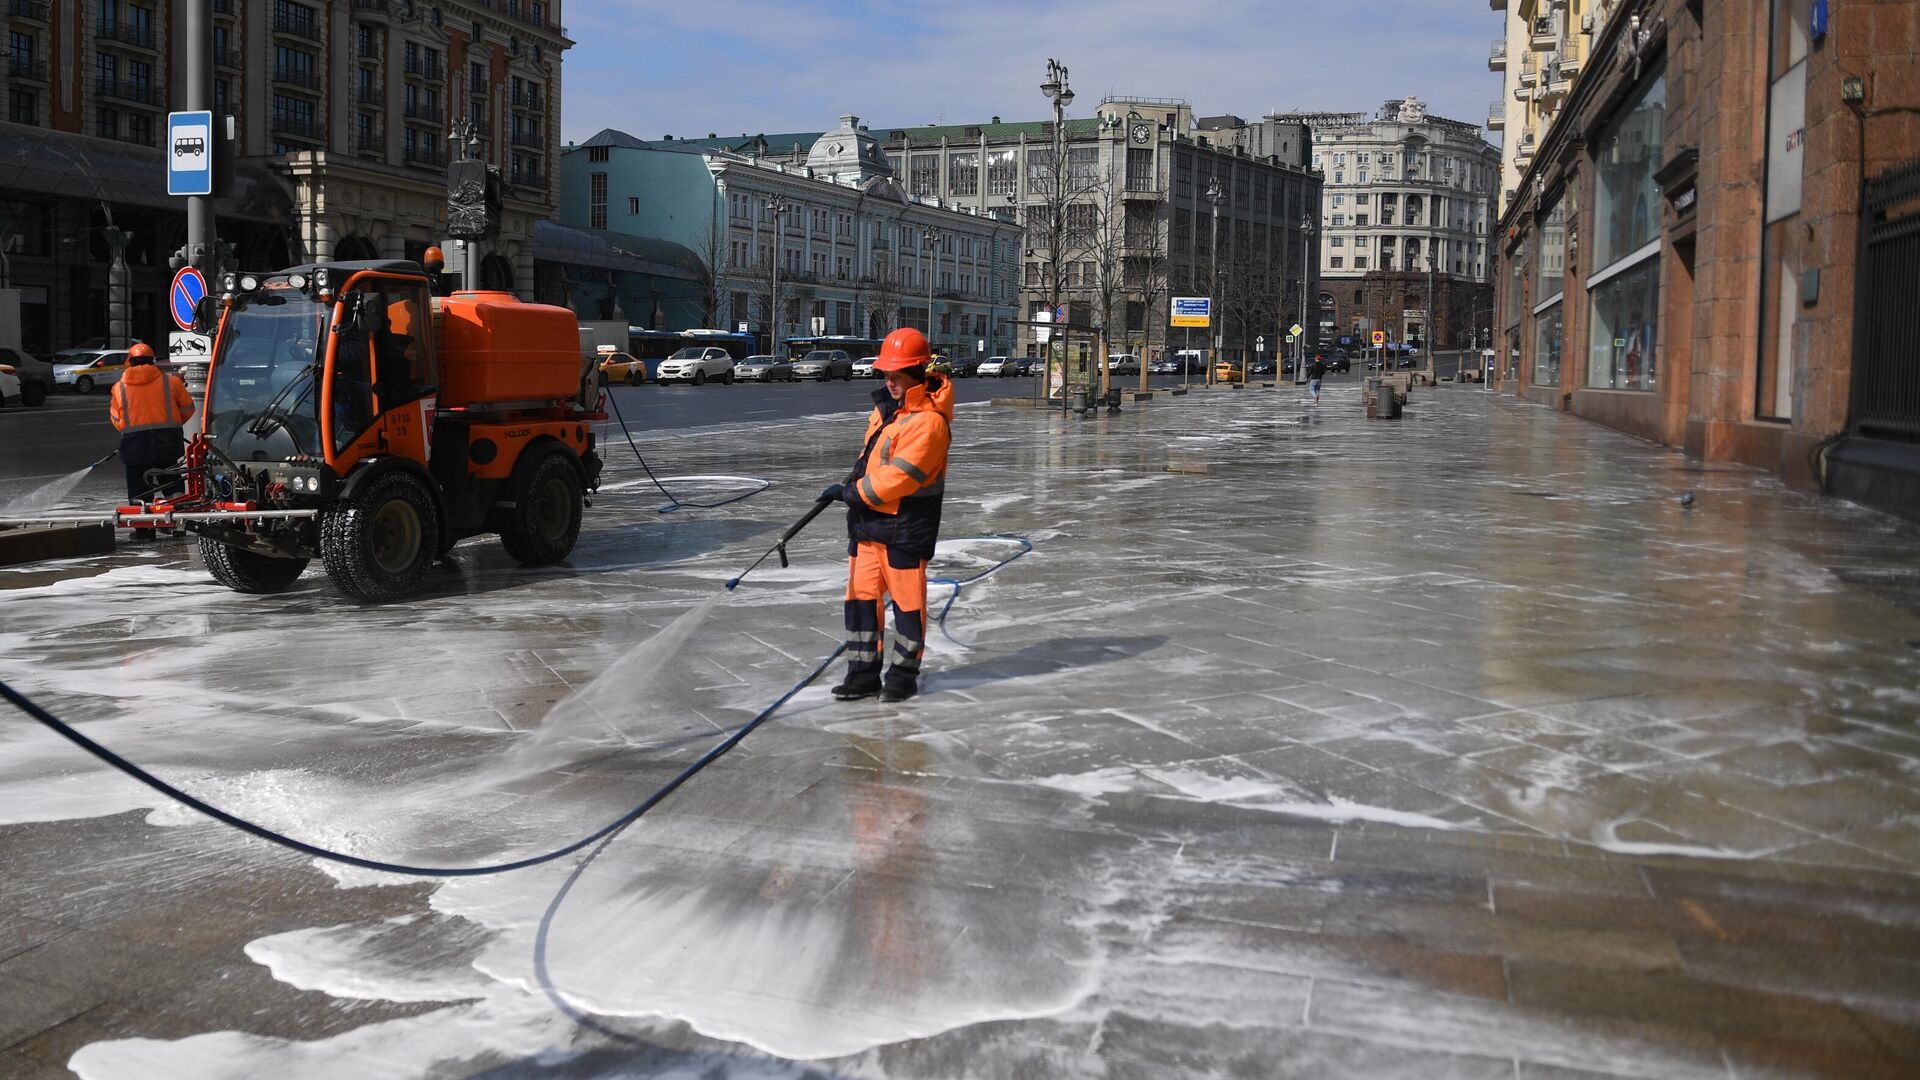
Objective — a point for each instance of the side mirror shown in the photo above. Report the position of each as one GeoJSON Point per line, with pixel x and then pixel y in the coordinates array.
{"type": "Point", "coordinates": [369, 313]}
{"type": "Point", "coordinates": [206, 314]}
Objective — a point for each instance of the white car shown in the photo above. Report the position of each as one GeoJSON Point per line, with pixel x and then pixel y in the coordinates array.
{"type": "Point", "coordinates": [1123, 364]}
{"type": "Point", "coordinates": [84, 371]}
{"type": "Point", "coordinates": [863, 368]}
{"type": "Point", "coordinates": [998, 367]}
{"type": "Point", "coordinates": [696, 364]}
{"type": "Point", "coordinates": [9, 387]}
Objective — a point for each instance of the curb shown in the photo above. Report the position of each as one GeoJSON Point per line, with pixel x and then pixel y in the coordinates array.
{"type": "Point", "coordinates": [31, 543]}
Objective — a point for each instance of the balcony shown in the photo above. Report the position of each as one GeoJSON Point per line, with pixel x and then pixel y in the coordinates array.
{"type": "Point", "coordinates": [529, 139]}
{"type": "Point", "coordinates": [1497, 57]}
{"type": "Point", "coordinates": [140, 37]}
{"type": "Point", "coordinates": [1546, 31]}
{"type": "Point", "coordinates": [1529, 71]}
{"type": "Point", "coordinates": [424, 110]}
{"type": "Point", "coordinates": [227, 58]}
{"type": "Point", "coordinates": [26, 69]}
{"type": "Point", "coordinates": [429, 156]}
{"type": "Point", "coordinates": [418, 68]}
{"type": "Point", "coordinates": [527, 99]}
{"type": "Point", "coordinates": [370, 145]}
{"type": "Point", "coordinates": [373, 10]}
{"type": "Point", "coordinates": [139, 93]}
{"type": "Point", "coordinates": [35, 10]}
{"type": "Point", "coordinates": [1496, 116]}
{"type": "Point", "coordinates": [305, 80]}
{"type": "Point", "coordinates": [296, 27]}
{"type": "Point", "coordinates": [298, 127]}
{"type": "Point", "coordinates": [530, 178]}
{"type": "Point", "coordinates": [370, 96]}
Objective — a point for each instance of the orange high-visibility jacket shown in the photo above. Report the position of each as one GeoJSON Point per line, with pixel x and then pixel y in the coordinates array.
{"type": "Point", "coordinates": [898, 494]}
{"type": "Point", "coordinates": [146, 397]}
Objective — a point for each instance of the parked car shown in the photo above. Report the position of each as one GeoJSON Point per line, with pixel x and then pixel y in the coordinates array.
{"type": "Point", "coordinates": [1337, 361]}
{"type": "Point", "coordinates": [696, 364]}
{"type": "Point", "coordinates": [939, 365]}
{"type": "Point", "coordinates": [1123, 364]}
{"type": "Point", "coordinates": [1164, 366]}
{"type": "Point", "coordinates": [825, 365]}
{"type": "Point", "coordinates": [619, 367]}
{"type": "Point", "coordinates": [35, 375]}
{"type": "Point", "coordinates": [1227, 371]}
{"type": "Point", "coordinates": [1030, 365]}
{"type": "Point", "coordinates": [10, 393]}
{"type": "Point", "coordinates": [87, 371]}
{"type": "Point", "coordinates": [863, 367]}
{"type": "Point", "coordinates": [1260, 367]}
{"type": "Point", "coordinates": [998, 367]}
{"type": "Point", "coordinates": [763, 368]}
{"type": "Point", "coordinates": [965, 366]}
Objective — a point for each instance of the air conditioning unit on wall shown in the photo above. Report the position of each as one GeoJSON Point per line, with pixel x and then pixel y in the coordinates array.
{"type": "Point", "coordinates": [1586, 23]}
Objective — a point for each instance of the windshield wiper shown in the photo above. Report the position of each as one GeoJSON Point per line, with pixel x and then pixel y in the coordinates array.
{"type": "Point", "coordinates": [264, 424]}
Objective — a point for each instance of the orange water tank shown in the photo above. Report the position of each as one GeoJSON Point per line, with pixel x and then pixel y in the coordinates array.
{"type": "Point", "coordinates": [497, 350]}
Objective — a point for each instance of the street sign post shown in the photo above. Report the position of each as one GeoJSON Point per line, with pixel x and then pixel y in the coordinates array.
{"type": "Point", "coordinates": [1260, 344]}
{"type": "Point", "coordinates": [1295, 331]}
{"type": "Point", "coordinates": [189, 288]}
{"type": "Point", "coordinates": [1192, 311]}
{"type": "Point", "coordinates": [190, 153]}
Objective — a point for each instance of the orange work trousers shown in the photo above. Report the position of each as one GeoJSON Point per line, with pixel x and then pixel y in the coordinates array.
{"type": "Point", "coordinates": [872, 580]}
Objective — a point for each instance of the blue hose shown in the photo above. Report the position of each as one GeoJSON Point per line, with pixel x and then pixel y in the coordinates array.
{"type": "Point", "coordinates": [940, 620]}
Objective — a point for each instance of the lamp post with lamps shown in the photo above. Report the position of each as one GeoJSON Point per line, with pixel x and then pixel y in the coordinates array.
{"type": "Point", "coordinates": [778, 207]}
{"type": "Point", "coordinates": [1056, 89]}
{"type": "Point", "coordinates": [1213, 277]}
{"type": "Point", "coordinates": [931, 237]}
{"type": "Point", "coordinates": [1306, 243]}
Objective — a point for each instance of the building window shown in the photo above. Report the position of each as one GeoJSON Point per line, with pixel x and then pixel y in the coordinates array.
{"type": "Point", "coordinates": [106, 123]}
{"type": "Point", "coordinates": [597, 201]}
{"type": "Point", "coordinates": [1039, 171]}
{"type": "Point", "coordinates": [1359, 262]}
{"type": "Point", "coordinates": [1139, 169]}
{"type": "Point", "coordinates": [1003, 172]}
{"type": "Point", "coordinates": [1624, 289]}
{"type": "Point", "coordinates": [23, 107]}
{"type": "Point", "coordinates": [596, 154]}
{"type": "Point", "coordinates": [925, 173]}
{"type": "Point", "coordinates": [1781, 255]}
{"type": "Point", "coordinates": [1548, 329]}
{"type": "Point", "coordinates": [1360, 220]}
{"type": "Point", "coordinates": [963, 174]}
{"type": "Point", "coordinates": [1337, 262]}
{"type": "Point", "coordinates": [1361, 241]}
{"type": "Point", "coordinates": [1339, 177]}
{"type": "Point", "coordinates": [1083, 167]}
{"type": "Point", "coordinates": [1339, 241]}
{"type": "Point", "coordinates": [1363, 176]}
{"type": "Point", "coordinates": [1339, 220]}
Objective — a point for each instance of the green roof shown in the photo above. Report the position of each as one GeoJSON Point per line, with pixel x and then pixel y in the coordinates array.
{"type": "Point", "coordinates": [992, 132]}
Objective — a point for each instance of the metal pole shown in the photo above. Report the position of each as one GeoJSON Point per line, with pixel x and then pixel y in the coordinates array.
{"type": "Point", "coordinates": [201, 235]}
{"type": "Point", "coordinates": [777, 206]}
{"type": "Point", "coordinates": [1306, 241]}
{"type": "Point", "coordinates": [932, 238]}
{"type": "Point", "coordinates": [1213, 277]}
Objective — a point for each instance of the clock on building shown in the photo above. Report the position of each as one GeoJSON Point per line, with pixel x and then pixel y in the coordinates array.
{"type": "Point", "coordinates": [1142, 133]}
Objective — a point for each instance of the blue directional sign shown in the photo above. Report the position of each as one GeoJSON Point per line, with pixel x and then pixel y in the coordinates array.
{"type": "Point", "coordinates": [190, 153]}
{"type": "Point", "coordinates": [188, 290]}
{"type": "Point", "coordinates": [1191, 310]}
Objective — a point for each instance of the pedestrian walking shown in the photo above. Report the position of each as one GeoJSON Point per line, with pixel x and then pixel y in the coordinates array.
{"type": "Point", "coordinates": [148, 406]}
{"type": "Point", "coordinates": [893, 519]}
{"type": "Point", "coordinates": [1315, 372]}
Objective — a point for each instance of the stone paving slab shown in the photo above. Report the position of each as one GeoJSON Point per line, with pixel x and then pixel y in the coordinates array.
{"type": "Point", "coordinates": [1448, 747]}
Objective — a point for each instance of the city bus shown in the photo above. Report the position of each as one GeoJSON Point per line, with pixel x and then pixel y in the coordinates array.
{"type": "Point", "coordinates": [656, 345]}
{"type": "Point", "coordinates": [858, 348]}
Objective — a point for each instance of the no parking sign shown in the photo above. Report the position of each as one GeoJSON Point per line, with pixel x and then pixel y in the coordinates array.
{"type": "Point", "coordinates": [189, 288]}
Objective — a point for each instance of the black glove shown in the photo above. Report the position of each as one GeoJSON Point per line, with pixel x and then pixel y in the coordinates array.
{"type": "Point", "coordinates": [832, 493]}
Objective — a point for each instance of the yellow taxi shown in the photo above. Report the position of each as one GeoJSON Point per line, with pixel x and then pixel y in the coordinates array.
{"type": "Point", "coordinates": [1227, 371]}
{"type": "Point", "coordinates": [939, 365]}
{"type": "Point", "coordinates": [619, 367]}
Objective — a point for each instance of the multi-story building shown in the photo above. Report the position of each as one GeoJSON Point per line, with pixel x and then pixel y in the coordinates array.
{"type": "Point", "coordinates": [1136, 222]}
{"type": "Point", "coordinates": [1725, 263]}
{"type": "Point", "coordinates": [343, 110]}
{"type": "Point", "coordinates": [1540, 54]}
{"type": "Point", "coordinates": [855, 252]}
{"type": "Point", "coordinates": [1406, 222]}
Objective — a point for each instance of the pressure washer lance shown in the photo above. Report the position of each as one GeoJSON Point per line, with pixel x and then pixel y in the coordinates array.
{"type": "Point", "coordinates": [780, 545]}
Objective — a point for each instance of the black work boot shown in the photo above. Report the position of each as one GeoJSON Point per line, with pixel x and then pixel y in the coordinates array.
{"type": "Point", "coordinates": [859, 683]}
{"type": "Point", "coordinates": [899, 689]}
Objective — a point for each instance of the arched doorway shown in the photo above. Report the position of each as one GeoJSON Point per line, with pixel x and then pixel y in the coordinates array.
{"type": "Point", "coordinates": [355, 249]}
{"type": "Point", "coordinates": [496, 273]}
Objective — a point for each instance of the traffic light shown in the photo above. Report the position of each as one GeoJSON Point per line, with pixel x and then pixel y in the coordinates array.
{"type": "Point", "coordinates": [473, 200]}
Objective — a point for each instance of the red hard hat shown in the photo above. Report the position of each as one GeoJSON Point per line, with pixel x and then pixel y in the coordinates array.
{"type": "Point", "coordinates": [140, 351]}
{"type": "Point", "coordinates": [904, 348]}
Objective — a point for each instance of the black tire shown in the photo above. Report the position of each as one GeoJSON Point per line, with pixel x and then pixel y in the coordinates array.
{"type": "Point", "coordinates": [379, 545]}
{"type": "Point", "coordinates": [249, 571]}
{"type": "Point", "coordinates": [545, 520]}
{"type": "Point", "coordinates": [33, 394]}
{"type": "Point", "coordinates": [700, 376]}
{"type": "Point", "coordinates": [727, 379]}
{"type": "Point", "coordinates": [83, 384]}
{"type": "Point", "coordinates": [633, 378]}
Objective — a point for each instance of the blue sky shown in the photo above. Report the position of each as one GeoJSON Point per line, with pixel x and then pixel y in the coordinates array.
{"type": "Point", "coordinates": [689, 67]}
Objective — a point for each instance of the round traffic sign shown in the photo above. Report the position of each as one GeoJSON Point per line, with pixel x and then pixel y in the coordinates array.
{"type": "Point", "coordinates": [189, 288]}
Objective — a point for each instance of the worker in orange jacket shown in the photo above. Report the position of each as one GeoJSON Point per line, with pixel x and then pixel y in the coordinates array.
{"type": "Point", "coordinates": [148, 406]}
{"type": "Point", "coordinates": [893, 519]}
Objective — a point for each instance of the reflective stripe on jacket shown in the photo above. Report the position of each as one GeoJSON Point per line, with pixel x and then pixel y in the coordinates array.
{"type": "Point", "coordinates": [897, 493]}
{"type": "Point", "coordinates": [148, 398]}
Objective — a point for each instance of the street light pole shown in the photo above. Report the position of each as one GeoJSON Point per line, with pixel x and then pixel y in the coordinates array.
{"type": "Point", "coordinates": [1306, 242]}
{"type": "Point", "coordinates": [932, 239]}
{"type": "Point", "coordinates": [1056, 88]}
{"type": "Point", "coordinates": [778, 207]}
{"type": "Point", "coordinates": [1213, 276]}
{"type": "Point", "coordinates": [1432, 308]}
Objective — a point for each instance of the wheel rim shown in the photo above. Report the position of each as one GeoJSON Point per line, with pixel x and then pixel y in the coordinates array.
{"type": "Point", "coordinates": [556, 511]}
{"type": "Point", "coordinates": [394, 542]}
{"type": "Point", "coordinates": [84, 385]}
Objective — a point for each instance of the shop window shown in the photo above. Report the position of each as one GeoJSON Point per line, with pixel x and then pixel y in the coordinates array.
{"type": "Point", "coordinates": [1623, 290]}
{"type": "Point", "coordinates": [1548, 330]}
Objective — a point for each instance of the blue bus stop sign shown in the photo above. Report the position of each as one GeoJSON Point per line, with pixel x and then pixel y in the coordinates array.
{"type": "Point", "coordinates": [190, 153]}
{"type": "Point", "coordinates": [188, 290]}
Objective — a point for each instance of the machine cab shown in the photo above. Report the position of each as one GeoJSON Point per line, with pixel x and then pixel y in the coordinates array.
{"type": "Point", "coordinates": [334, 362]}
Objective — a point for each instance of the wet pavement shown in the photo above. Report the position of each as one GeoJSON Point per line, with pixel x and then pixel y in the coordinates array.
{"type": "Point", "coordinates": [1299, 746]}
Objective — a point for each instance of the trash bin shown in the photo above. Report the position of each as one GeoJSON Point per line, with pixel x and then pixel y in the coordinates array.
{"type": "Point", "coordinates": [1080, 403]}
{"type": "Point", "coordinates": [1386, 402]}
